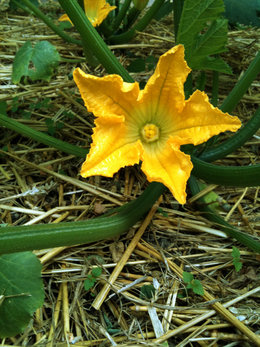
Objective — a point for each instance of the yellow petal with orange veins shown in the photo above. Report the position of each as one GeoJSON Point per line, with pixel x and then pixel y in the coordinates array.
{"type": "Point", "coordinates": [64, 18]}
{"type": "Point", "coordinates": [107, 95]}
{"type": "Point", "coordinates": [169, 166]}
{"type": "Point", "coordinates": [200, 120]}
{"type": "Point", "coordinates": [165, 87]}
{"type": "Point", "coordinates": [111, 149]}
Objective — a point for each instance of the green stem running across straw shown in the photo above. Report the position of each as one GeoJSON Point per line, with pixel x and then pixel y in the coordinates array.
{"type": "Point", "coordinates": [235, 141]}
{"type": "Point", "coordinates": [231, 231]}
{"type": "Point", "coordinates": [242, 85]}
{"type": "Point", "coordinates": [235, 176]}
{"type": "Point", "coordinates": [18, 239]}
{"type": "Point", "coordinates": [46, 20]}
{"type": "Point", "coordinates": [41, 137]}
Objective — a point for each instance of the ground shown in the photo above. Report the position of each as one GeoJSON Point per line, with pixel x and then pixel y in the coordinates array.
{"type": "Point", "coordinates": [174, 238]}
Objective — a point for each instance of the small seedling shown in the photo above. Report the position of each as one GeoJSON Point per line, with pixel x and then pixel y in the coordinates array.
{"type": "Point", "coordinates": [236, 259]}
{"type": "Point", "coordinates": [193, 284]}
{"type": "Point", "coordinates": [147, 291]}
{"type": "Point", "coordinates": [53, 126]}
{"type": "Point", "coordinates": [92, 278]}
{"type": "Point", "coordinates": [162, 212]}
{"type": "Point", "coordinates": [110, 327]}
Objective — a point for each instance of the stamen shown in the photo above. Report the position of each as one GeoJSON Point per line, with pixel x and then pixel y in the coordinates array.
{"type": "Point", "coordinates": [150, 132]}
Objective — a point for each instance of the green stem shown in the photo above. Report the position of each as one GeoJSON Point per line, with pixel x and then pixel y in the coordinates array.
{"type": "Point", "coordinates": [201, 81]}
{"type": "Point", "coordinates": [41, 137]}
{"type": "Point", "coordinates": [228, 105]}
{"type": "Point", "coordinates": [215, 88]}
{"type": "Point", "coordinates": [234, 142]}
{"type": "Point", "coordinates": [188, 86]}
{"type": "Point", "coordinates": [140, 26]}
{"type": "Point", "coordinates": [26, 238]}
{"type": "Point", "coordinates": [177, 11]}
{"type": "Point", "coordinates": [234, 176]}
{"type": "Point", "coordinates": [121, 15]}
{"type": "Point", "coordinates": [242, 85]}
{"type": "Point", "coordinates": [231, 231]}
{"type": "Point", "coordinates": [132, 17]}
{"type": "Point", "coordinates": [92, 41]}
{"type": "Point", "coordinates": [47, 21]}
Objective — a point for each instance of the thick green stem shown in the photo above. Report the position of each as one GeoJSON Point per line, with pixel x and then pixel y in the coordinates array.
{"type": "Point", "coordinates": [140, 26]}
{"type": "Point", "coordinates": [234, 176]}
{"type": "Point", "coordinates": [26, 238]}
{"type": "Point", "coordinates": [231, 231]}
{"type": "Point", "coordinates": [215, 88]}
{"type": "Point", "coordinates": [121, 15]}
{"type": "Point", "coordinates": [41, 137]}
{"type": "Point", "coordinates": [201, 81]}
{"type": "Point", "coordinates": [235, 141]}
{"type": "Point", "coordinates": [228, 105]}
{"type": "Point", "coordinates": [242, 85]}
{"type": "Point", "coordinates": [47, 21]}
{"type": "Point", "coordinates": [177, 11]}
{"type": "Point", "coordinates": [132, 17]}
{"type": "Point", "coordinates": [92, 41]}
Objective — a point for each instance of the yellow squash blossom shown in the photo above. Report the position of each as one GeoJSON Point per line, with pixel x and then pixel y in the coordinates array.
{"type": "Point", "coordinates": [96, 11]}
{"type": "Point", "coordinates": [140, 4]}
{"type": "Point", "coordinates": [150, 124]}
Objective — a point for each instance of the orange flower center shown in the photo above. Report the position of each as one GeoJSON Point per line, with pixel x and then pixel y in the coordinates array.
{"type": "Point", "coordinates": [150, 132]}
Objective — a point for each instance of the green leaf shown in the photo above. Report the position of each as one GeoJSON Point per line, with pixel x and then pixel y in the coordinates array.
{"type": "Point", "coordinates": [187, 277]}
{"type": "Point", "coordinates": [137, 65]}
{"type": "Point", "coordinates": [162, 212]}
{"type": "Point", "coordinates": [238, 265]}
{"type": "Point", "coordinates": [22, 291]}
{"type": "Point", "coordinates": [236, 259]}
{"type": "Point", "coordinates": [201, 39]}
{"type": "Point", "coordinates": [196, 287]}
{"type": "Point", "coordinates": [89, 282]}
{"type": "Point", "coordinates": [96, 272]}
{"type": "Point", "coordinates": [44, 58]}
{"type": "Point", "coordinates": [235, 253]}
{"type": "Point", "coordinates": [212, 63]}
{"type": "Point", "coordinates": [147, 291]}
{"type": "Point", "coordinates": [15, 104]}
{"type": "Point", "coordinates": [21, 62]}
{"type": "Point", "coordinates": [193, 284]}
{"type": "Point", "coordinates": [52, 126]}
{"type": "Point", "coordinates": [151, 62]}
{"type": "Point", "coordinates": [3, 107]}
{"type": "Point", "coordinates": [243, 12]}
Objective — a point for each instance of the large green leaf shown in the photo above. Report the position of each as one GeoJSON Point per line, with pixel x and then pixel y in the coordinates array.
{"type": "Point", "coordinates": [201, 39]}
{"type": "Point", "coordinates": [21, 291]}
{"type": "Point", "coordinates": [243, 11]}
{"type": "Point", "coordinates": [42, 59]}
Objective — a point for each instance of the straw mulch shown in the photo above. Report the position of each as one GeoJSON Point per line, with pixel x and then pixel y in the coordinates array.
{"type": "Point", "coordinates": [171, 239]}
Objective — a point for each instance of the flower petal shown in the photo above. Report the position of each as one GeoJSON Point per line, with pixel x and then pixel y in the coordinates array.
{"type": "Point", "coordinates": [169, 166]}
{"type": "Point", "coordinates": [108, 95]}
{"type": "Point", "coordinates": [64, 18]}
{"type": "Point", "coordinates": [165, 87]}
{"type": "Point", "coordinates": [97, 10]}
{"type": "Point", "coordinates": [110, 149]}
{"type": "Point", "coordinates": [199, 120]}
